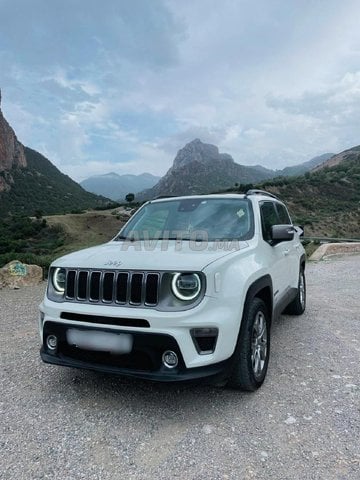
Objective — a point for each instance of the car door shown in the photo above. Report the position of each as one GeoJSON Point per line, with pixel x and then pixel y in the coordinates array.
{"type": "Point", "coordinates": [291, 248]}
{"type": "Point", "coordinates": [277, 255]}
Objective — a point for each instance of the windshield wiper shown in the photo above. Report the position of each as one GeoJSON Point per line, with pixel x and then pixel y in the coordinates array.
{"type": "Point", "coordinates": [186, 239]}
{"type": "Point", "coordinates": [132, 239]}
{"type": "Point", "coordinates": [129, 239]}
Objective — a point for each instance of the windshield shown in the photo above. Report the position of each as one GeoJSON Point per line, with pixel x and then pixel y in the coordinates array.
{"type": "Point", "coordinates": [200, 219]}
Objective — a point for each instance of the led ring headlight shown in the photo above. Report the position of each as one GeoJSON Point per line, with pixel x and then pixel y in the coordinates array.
{"type": "Point", "coordinates": [58, 279]}
{"type": "Point", "coordinates": [186, 286]}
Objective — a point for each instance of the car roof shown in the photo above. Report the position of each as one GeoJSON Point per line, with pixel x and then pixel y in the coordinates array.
{"type": "Point", "coordinates": [255, 194]}
{"type": "Point", "coordinates": [189, 197]}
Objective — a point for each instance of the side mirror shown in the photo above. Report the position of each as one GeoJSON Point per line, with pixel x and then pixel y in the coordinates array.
{"type": "Point", "coordinates": [282, 233]}
{"type": "Point", "coordinates": [300, 230]}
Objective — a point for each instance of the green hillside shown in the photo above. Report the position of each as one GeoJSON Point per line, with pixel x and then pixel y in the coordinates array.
{"type": "Point", "coordinates": [42, 187]}
{"type": "Point", "coordinates": [327, 201]}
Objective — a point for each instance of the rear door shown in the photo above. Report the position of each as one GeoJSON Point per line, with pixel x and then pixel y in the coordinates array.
{"type": "Point", "coordinates": [291, 249]}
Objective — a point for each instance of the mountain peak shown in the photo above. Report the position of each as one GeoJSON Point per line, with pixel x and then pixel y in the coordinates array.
{"type": "Point", "coordinates": [197, 151]}
{"type": "Point", "coordinates": [200, 168]}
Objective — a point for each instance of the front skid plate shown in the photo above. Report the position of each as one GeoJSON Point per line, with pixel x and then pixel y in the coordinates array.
{"type": "Point", "coordinates": [163, 375]}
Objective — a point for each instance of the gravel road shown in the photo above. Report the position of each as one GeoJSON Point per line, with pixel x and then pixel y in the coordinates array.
{"type": "Point", "coordinates": [304, 423]}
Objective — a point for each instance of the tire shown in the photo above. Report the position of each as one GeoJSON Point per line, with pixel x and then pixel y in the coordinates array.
{"type": "Point", "coordinates": [298, 305]}
{"type": "Point", "coordinates": [251, 356]}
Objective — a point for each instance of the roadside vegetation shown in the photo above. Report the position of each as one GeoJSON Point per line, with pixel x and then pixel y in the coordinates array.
{"type": "Point", "coordinates": [29, 240]}
{"type": "Point", "coordinates": [40, 240]}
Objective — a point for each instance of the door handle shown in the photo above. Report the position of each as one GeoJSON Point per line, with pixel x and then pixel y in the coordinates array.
{"type": "Point", "coordinates": [286, 252]}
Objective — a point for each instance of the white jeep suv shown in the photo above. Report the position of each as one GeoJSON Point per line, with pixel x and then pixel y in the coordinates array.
{"type": "Point", "coordinates": [188, 289]}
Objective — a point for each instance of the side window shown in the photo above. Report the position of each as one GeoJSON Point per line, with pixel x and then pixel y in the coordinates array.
{"type": "Point", "coordinates": [284, 218]}
{"type": "Point", "coordinates": [268, 219]}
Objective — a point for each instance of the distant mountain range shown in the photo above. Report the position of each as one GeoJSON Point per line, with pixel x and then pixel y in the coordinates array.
{"type": "Point", "coordinates": [197, 168]}
{"type": "Point", "coordinates": [302, 168]}
{"type": "Point", "coordinates": [114, 186]}
{"type": "Point", "coordinates": [200, 168]}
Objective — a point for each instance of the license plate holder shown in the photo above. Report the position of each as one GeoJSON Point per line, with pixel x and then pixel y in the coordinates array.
{"type": "Point", "coordinates": [117, 343]}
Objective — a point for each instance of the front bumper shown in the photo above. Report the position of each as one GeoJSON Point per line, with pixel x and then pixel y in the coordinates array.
{"type": "Point", "coordinates": [144, 361]}
{"type": "Point", "coordinates": [210, 313]}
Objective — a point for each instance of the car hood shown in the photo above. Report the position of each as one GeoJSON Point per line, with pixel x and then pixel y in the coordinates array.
{"type": "Point", "coordinates": [168, 255]}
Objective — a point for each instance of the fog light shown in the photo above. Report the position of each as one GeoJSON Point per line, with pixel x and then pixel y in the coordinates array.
{"type": "Point", "coordinates": [170, 359]}
{"type": "Point", "coordinates": [51, 342]}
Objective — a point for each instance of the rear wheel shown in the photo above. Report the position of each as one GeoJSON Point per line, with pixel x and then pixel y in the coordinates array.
{"type": "Point", "coordinates": [251, 356]}
{"type": "Point", "coordinates": [298, 305]}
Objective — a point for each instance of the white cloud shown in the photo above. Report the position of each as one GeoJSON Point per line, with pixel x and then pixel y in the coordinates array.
{"type": "Point", "coordinates": [126, 85]}
{"type": "Point", "coordinates": [61, 77]}
{"type": "Point", "coordinates": [331, 114]}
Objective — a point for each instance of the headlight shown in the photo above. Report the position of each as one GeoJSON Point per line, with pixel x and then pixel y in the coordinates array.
{"type": "Point", "coordinates": [186, 286]}
{"type": "Point", "coordinates": [58, 279]}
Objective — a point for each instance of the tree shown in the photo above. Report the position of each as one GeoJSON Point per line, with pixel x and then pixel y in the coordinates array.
{"type": "Point", "coordinates": [130, 197]}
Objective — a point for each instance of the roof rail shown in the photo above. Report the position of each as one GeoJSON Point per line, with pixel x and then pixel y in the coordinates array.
{"type": "Point", "coordinates": [165, 196]}
{"type": "Point", "coordinates": [260, 192]}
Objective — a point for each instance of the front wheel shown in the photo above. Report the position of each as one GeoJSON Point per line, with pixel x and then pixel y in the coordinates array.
{"type": "Point", "coordinates": [251, 356]}
{"type": "Point", "coordinates": [298, 305]}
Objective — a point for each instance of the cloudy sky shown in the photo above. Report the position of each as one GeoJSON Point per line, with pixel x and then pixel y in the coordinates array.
{"type": "Point", "coordinates": [121, 85]}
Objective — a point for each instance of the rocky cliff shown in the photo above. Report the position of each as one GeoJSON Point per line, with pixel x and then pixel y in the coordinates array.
{"type": "Point", "coordinates": [11, 151]}
{"type": "Point", "coordinates": [196, 151]}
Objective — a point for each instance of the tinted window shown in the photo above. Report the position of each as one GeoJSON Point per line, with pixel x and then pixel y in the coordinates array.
{"type": "Point", "coordinates": [268, 219]}
{"type": "Point", "coordinates": [284, 218]}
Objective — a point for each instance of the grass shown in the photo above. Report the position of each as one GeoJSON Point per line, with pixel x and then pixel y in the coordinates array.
{"type": "Point", "coordinates": [86, 229]}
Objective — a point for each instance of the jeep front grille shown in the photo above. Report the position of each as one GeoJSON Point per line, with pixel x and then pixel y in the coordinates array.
{"type": "Point", "coordinates": [107, 287]}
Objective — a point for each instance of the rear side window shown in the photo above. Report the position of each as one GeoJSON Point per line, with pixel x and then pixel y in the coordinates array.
{"type": "Point", "coordinates": [269, 218]}
{"type": "Point", "coordinates": [284, 218]}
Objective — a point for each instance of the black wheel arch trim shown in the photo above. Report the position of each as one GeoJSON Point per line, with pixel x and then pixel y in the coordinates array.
{"type": "Point", "coordinates": [302, 261]}
{"type": "Point", "coordinates": [260, 284]}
